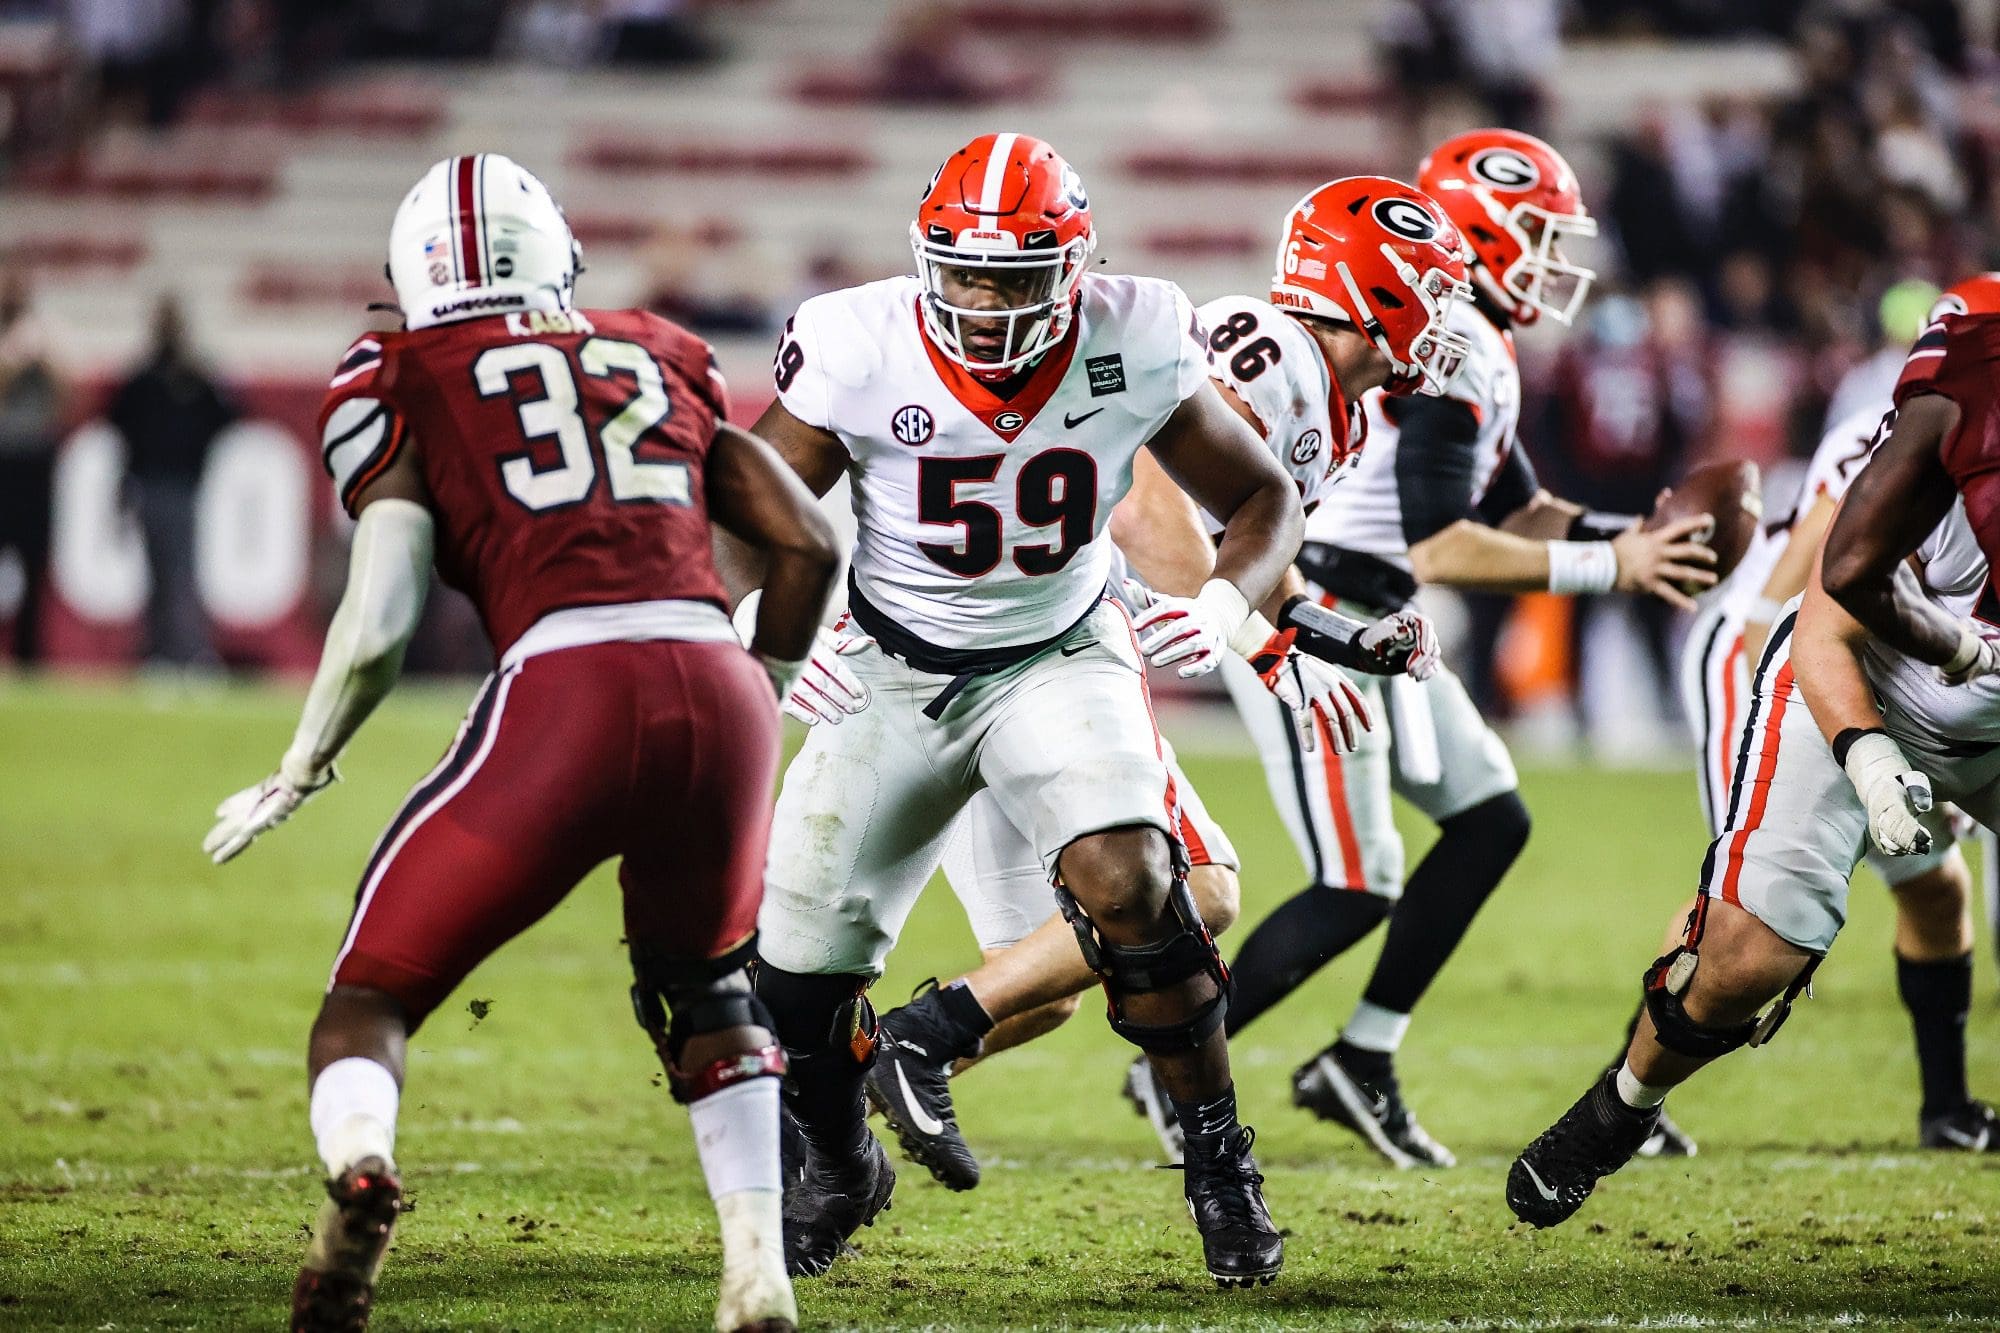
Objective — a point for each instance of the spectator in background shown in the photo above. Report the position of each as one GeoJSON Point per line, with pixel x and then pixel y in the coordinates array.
{"type": "Point", "coordinates": [170, 412]}
{"type": "Point", "coordinates": [140, 50]}
{"type": "Point", "coordinates": [1899, 318]}
{"type": "Point", "coordinates": [31, 407]}
{"type": "Point", "coordinates": [1632, 403]}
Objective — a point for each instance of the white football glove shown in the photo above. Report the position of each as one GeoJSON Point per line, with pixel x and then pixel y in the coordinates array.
{"type": "Point", "coordinates": [1320, 696]}
{"type": "Point", "coordinates": [1893, 793]}
{"type": "Point", "coordinates": [1193, 633]}
{"type": "Point", "coordinates": [1405, 642]}
{"type": "Point", "coordinates": [827, 690]}
{"type": "Point", "coordinates": [1977, 656]}
{"type": "Point", "coordinates": [242, 818]}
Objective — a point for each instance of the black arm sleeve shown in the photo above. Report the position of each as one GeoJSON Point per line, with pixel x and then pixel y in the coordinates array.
{"type": "Point", "coordinates": [1433, 462]}
{"type": "Point", "coordinates": [1513, 486]}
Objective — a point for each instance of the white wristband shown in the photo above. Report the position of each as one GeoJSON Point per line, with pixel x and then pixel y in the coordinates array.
{"type": "Point", "coordinates": [1232, 609]}
{"type": "Point", "coordinates": [744, 618]}
{"type": "Point", "coordinates": [1582, 567]}
{"type": "Point", "coordinates": [1967, 654]}
{"type": "Point", "coordinates": [784, 675]}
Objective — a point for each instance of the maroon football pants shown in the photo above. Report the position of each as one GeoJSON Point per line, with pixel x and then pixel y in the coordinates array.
{"type": "Point", "coordinates": [661, 752]}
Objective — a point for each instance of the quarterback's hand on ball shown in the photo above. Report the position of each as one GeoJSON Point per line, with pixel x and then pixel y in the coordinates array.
{"type": "Point", "coordinates": [1405, 643]}
{"type": "Point", "coordinates": [1183, 632]}
{"type": "Point", "coordinates": [1320, 696]}
{"type": "Point", "coordinates": [241, 818]}
{"type": "Point", "coordinates": [1894, 794]}
{"type": "Point", "coordinates": [827, 690]}
{"type": "Point", "coordinates": [1977, 656]}
{"type": "Point", "coordinates": [1672, 562]}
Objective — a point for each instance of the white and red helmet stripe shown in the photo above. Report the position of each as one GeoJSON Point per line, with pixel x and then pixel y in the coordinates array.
{"type": "Point", "coordinates": [468, 216]}
{"type": "Point", "coordinates": [997, 162]}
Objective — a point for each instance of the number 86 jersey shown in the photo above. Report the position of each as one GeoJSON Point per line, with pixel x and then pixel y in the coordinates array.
{"type": "Point", "coordinates": [562, 452]}
{"type": "Point", "coordinates": [980, 516]}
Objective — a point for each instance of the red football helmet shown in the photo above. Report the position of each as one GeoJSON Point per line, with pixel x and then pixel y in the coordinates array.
{"type": "Point", "coordinates": [1514, 198]}
{"type": "Point", "coordinates": [1005, 218]}
{"type": "Point", "coordinates": [1378, 255]}
{"type": "Point", "coordinates": [1976, 295]}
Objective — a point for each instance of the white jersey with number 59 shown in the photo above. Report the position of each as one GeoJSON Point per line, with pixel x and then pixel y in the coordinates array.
{"type": "Point", "coordinates": [1270, 361]}
{"type": "Point", "coordinates": [981, 519]}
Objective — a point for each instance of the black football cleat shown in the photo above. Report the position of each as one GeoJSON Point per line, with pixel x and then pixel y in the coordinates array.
{"type": "Point", "coordinates": [336, 1287]}
{"type": "Point", "coordinates": [1239, 1242]}
{"type": "Point", "coordinates": [829, 1202]}
{"type": "Point", "coordinates": [909, 1083]}
{"type": "Point", "coordinates": [1554, 1175]}
{"type": "Point", "coordinates": [1372, 1107]}
{"type": "Point", "coordinates": [1149, 1099]}
{"type": "Point", "coordinates": [1973, 1127]}
{"type": "Point", "coordinates": [1668, 1139]}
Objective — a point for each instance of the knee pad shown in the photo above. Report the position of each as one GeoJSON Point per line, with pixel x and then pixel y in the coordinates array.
{"type": "Point", "coordinates": [676, 999]}
{"type": "Point", "coordinates": [1666, 981]}
{"type": "Point", "coordinates": [1127, 970]}
{"type": "Point", "coordinates": [820, 1020]}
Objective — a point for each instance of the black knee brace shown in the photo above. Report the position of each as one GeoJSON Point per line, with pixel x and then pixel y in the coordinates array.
{"type": "Point", "coordinates": [676, 999]}
{"type": "Point", "coordinates": [1666, 981]}
{"type": "Point", "coordinates": [1138, 969]}
{"type": "Point", "coordinates": [819, 1018]}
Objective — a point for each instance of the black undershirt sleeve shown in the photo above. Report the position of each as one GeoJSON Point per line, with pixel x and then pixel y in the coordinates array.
{"type": "Point", "coordinates": [1434, 459]}
{"type": "Point", "coordinates": [1513, 487]}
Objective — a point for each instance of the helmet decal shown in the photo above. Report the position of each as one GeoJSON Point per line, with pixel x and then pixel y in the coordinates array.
{"type": "Point", "coordinates": [1406, 218]}
{"type": "Point", "coordinates": [1072, 188]}
{"type": "Point", "coordinates": [1505, 169]}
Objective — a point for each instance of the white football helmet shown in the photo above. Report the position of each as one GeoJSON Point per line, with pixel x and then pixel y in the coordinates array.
{"type": "Point", "coordinates": [480, 235]}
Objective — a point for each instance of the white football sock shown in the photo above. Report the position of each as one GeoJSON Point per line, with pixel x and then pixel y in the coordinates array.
{"type": "Point", "coordinates": [1374, 1028]}
{"type": "Point", "coordinates": [1637, 1095]}
{"type": "Point", "coordinates": [736, 1136]}
{"type": "Point", "coordinates": [354, 1113]}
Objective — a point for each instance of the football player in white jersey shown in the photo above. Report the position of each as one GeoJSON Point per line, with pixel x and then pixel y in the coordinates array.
{"type": "Point", "coordinates": [1441, 493]}
{"type": "Point", "coordinates": [1902, 691]}
{"type": "Point", "coordinates": [1389, 239]}
{"type": "Point", "coordinates": [987, 413]}
{"type": "Point", "coordinates": [1932, 889]}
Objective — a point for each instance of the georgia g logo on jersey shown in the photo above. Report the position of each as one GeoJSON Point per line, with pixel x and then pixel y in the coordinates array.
{"type": "Point", "coordinates": [913, 425]}
{"type": "Point", "coordinates": [1406, 218]}
{"type": "Point", "coordinates": [1505, 169]}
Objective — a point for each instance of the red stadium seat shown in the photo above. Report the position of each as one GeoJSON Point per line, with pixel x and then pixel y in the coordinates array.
{"type": "Point", "coordinates": [608, 153]}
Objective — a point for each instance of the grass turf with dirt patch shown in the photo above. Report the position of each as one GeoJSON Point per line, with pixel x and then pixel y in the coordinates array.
{"type": "Point", "coordinates": [156, 1170]}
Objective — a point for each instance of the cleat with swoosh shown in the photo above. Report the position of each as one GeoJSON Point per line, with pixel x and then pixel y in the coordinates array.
{"type": "Point", "coordinates": [1971, 1127]}
{"type": "Point", "coordinates": [910, 1085]}
{"type": "Point", "coordinates": [1554, 1175]}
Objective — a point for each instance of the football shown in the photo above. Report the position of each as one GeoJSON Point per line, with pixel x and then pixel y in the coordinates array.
{"type": "Point", "coordinates": [1731, 495]}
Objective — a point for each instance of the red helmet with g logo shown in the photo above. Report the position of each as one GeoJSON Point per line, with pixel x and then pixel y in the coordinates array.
{"type": "Point", "coordinates": [1379, 255]}
{"type": "Point", "coordinates": [1976, 295]}
{"type": "Point", "coordinates": [1004, 214]}
{"type": "Point", "coordinates": [1514, 198]}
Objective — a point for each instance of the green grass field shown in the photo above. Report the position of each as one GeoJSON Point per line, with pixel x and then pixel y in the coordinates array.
{"type": "Point", "coordinates": [156, 1172]}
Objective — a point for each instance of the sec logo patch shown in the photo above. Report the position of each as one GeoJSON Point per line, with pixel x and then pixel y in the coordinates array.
{"type": "Point", "coordinates": [1305, 448]}
{"type": "Point", "coordinates": [913, 425]}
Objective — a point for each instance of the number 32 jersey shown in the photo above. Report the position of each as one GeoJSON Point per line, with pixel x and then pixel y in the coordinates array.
{"type": "Point", "coordinates": [981, 519]}
{"type": "Point", "coordinates": [563, 454]}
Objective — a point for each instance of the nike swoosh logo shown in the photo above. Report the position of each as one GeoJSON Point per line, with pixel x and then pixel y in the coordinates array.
{"type": "Point", "coordinates": [1963, 1139]}
{"type": "Point", "coordinates": [1547, 1194]}
{"type": "Point", "coordinates": [925, 1122]}
{"type": "Point", "coordinates": [1073, 422]}
{"type": "Point", "coordinates": [1079, 648]}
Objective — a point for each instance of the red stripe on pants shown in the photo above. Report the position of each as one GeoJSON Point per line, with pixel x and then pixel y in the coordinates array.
{"type": "Point", "coordinates": [1336, 796]}
{"type": "Point", "coordinates": [1767, 764]}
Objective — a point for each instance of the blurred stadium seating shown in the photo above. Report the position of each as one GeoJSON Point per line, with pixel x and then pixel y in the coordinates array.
{"type": "Point", "coordinates": [1784, 162]}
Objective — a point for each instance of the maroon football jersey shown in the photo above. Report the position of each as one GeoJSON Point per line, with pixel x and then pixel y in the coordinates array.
{"type": "Point", "coordinates": [1959, 358]}
{"type": "Point", "coordinates": [563, 453]}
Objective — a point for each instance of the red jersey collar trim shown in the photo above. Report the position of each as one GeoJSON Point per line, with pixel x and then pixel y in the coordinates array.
{"type": "Point", "coordinates": [975, 397]}
{"type": "Point", "coordinates": [1338, 413]}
